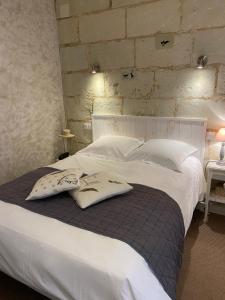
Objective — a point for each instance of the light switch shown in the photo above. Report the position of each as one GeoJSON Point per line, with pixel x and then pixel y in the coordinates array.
{"type": "Point", "coordinates": [87, 125]}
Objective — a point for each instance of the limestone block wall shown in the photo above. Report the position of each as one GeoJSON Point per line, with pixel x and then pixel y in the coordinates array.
{"type": "Point", "coordinates": [127, 36]}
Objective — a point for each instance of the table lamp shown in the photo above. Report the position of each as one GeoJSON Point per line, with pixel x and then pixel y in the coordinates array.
{"type": "Point", "coordinates": [220, 137]}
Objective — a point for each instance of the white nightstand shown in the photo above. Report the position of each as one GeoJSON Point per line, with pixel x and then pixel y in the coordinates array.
{"type": "Point", "coordinates": [216, 172]}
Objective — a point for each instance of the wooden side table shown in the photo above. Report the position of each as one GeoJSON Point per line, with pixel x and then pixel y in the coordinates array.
{"type": "Point", "coordinates": [67, 135]}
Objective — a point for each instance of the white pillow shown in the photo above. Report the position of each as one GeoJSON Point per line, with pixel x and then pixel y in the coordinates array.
{"type": "Point", "coordinates": [98, 187]}
{"type": "Point", "coordinates": [113, 147]}
{"type": "Point", "coordinates": [165, 152]}
{"type": "Point", "coordinates": [55, 183]}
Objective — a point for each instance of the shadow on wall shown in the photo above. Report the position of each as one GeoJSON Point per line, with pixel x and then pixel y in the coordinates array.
{"type": "Point", "coordinates": [218, 108]}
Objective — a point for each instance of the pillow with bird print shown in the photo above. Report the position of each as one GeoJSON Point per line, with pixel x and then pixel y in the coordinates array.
{"type": "Point", "coordinates": [98, 187]}
{"type": "Point", "coordinates": [55, 183]}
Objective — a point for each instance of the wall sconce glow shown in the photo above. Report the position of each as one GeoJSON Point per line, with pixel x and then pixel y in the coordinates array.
{"type": "Point", "coordinates": [202, 61]}
{"type": "Point", "coordinates": [95, 68]}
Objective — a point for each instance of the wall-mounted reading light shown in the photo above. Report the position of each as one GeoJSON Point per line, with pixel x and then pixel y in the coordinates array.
{"type": "Point", "coordinates": [202, 61]}
{"type": "Point", "coordinates": [95, 68]}
{"type": "Point", "coordinates": [129, 74]}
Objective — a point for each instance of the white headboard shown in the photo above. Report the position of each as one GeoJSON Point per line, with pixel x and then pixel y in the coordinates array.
{"type": "Point", "coordinates": [190, 130]}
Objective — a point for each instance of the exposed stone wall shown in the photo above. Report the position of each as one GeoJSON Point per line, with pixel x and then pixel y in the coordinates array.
{"type": "Point", "coordinates": [31, 100]}
{"type": "Point", "coordinates": [125, 35]}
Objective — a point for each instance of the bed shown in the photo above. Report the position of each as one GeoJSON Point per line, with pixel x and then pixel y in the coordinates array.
{"type": "Point", "coordinates": [67, 262]}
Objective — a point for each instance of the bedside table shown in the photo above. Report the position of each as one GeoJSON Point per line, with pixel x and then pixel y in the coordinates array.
{"type": "Point", "coordinates": [213, 172]}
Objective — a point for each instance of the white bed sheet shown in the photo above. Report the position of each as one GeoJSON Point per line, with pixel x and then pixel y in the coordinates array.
{"type": "Point", "coordinates": [65, 262]}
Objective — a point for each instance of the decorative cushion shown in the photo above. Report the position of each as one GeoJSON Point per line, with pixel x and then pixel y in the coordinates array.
{"type": "Point", "coordinates": [55, 183]}
{"type": "Point", "coordinates": [98, 187]}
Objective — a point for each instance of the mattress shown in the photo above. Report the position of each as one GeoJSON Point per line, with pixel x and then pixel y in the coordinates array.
{"type": "Point", "coordinates": [65, 262]}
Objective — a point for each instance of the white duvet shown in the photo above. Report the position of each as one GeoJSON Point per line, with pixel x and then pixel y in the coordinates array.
{"type": "Point", "coordinates": [65, 262]}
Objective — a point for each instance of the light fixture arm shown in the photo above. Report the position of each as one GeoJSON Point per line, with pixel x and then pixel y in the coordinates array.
{"type": "Point", "coordinates": [95, 68]}
{"type": "Point", "coordinates": [202, 61]}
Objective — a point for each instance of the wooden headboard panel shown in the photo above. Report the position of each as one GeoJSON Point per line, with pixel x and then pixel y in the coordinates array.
{"type": "Point", "coordinates": [190, 130]}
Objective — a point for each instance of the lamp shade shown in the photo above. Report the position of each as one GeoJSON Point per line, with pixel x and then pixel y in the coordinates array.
{"type": "Point", "coordinates": [220, 136]}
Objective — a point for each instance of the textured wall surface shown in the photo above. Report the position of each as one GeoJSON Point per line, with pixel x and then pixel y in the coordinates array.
{"type": "Point", "coordinates": [31, 103]}
{"type": "Point", "coordinates": [126, 35]}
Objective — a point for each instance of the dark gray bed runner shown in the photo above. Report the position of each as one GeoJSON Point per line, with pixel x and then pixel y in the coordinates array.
{"type": "Point", "coordinates": [147, 219]}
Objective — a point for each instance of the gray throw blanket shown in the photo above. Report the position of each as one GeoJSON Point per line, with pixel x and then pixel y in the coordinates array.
{"type": "Point", "coordinates": [146, 219]}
